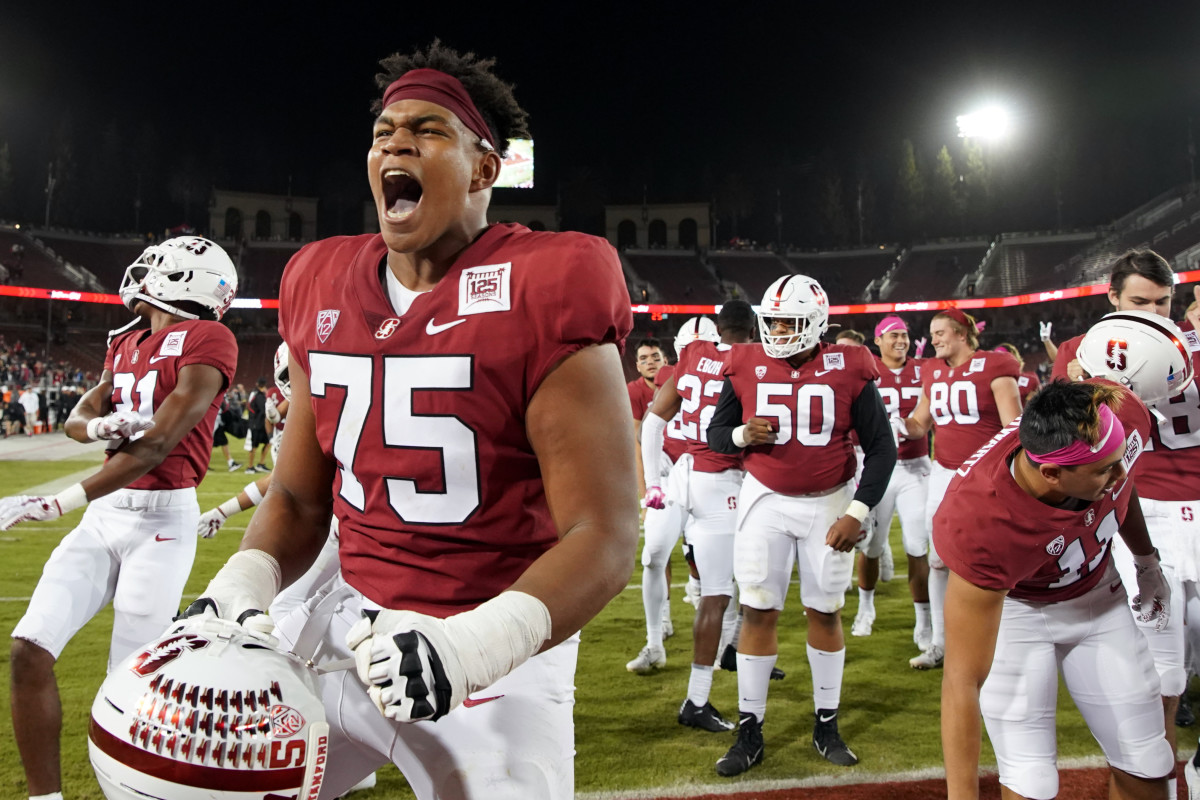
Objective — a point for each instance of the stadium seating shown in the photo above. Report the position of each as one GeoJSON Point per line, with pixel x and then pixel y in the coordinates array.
{"type": "Point", "coordinates": [678, 276]}
{"type": "Point", "coordinates": [753, 271]}
{"type": "Point", "coordinates": [104, 257]}
{"type": "Point", "coordinates": [37, 268]}
{"type": "Point", "coordinates": [844, 274]}
{"type": "Point", "coordinates": [1021, 263]}
{"type": "Point", "coordinates": [932, 271]}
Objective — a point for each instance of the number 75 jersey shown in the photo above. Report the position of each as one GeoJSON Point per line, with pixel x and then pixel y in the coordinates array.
{"type": "Point", "coordinates": [437, 489]}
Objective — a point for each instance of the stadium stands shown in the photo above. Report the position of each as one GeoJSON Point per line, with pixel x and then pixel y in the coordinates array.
{"type": "Point", "coordinates": [1018, 263]}
{"type": "Point", "coordinates": [844, 274]}
{"type": "Point", "coordinates": [678, 276]}
{"type": "Point", "coordinates": [752, 270]}
{"type": "Point", "coordinates": [32, 266]}
{"type": "Point", "coordinates": [105, 257]}
{"type": "Point", "coordinates": [260, 265]}
{"type": "Point", "coordinates": [931, 271]}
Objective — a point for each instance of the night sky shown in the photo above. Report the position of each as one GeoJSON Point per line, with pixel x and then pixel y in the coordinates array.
{"type": "Point", "coordinates": [673, 99]}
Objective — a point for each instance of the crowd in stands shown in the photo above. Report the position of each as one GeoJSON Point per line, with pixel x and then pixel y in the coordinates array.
{"type": "Point", "coordinates": [37, 394]}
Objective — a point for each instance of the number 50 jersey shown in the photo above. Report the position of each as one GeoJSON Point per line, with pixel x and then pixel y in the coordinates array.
{"type": "Point", "coordinates": [437, 491]}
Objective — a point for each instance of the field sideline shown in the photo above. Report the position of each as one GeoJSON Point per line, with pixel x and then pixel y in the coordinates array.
{"type": "Point", "coordinates": [628, 742]}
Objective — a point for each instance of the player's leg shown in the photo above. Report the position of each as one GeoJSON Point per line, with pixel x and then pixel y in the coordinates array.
{"type": "Point", "coordinates": [1018, 700]}
{"type": "Point", "coordinates": [820, 569]}
{"type": "Point", "coordinates": [662, 529]}
{"type": "Point", "coordinates": [911, 497]}
{"type": "Point", "coordinates": [324, 568]}
{"type": "Point", "coordinates": [939, 482]}
{"type": "Point", "coordinates": [1113, 680]}
{"type": "Point", "coordinates": [77, 582]}
{"type": "Point", "coordinates": [156, 542]}
{"type": "Point", "coordinates": [870, 552]}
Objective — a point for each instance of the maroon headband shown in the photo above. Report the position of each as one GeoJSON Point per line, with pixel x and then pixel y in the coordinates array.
{"type": "Point", "coordinates": [958, 316]}
{"type": "Point", "coordinates": [434, 86]}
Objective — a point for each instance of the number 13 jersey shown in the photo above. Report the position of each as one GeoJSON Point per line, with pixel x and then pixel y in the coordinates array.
{"type": "Point", "coordinates": [437, 490]}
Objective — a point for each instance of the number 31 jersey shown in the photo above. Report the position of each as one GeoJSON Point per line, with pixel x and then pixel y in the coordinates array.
{"type": "Point", "coordinates": [145, 368]}
{"type": "Point", "coordinates": [962, 403]}
{"type": "Point", "coordinates": [437, 489]}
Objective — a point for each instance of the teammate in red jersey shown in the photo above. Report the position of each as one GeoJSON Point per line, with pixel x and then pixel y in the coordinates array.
{"type": "Point", "coordinates": [649, 359]}
{"type": "Point", "coordinates": [788, 407]}
{"type": "Point", "coordinates": [1025, 531]}
{"type": "Point", "coordinates": [900, 387]}
{"type": "Point", "coordinates": [455, 388]}
{"type": "Point", "coordinates": [1027, 382]}
{"type": "Point", "coordinates": [156, 404]}
{"type": "Point", "coordinates": [967, 395]}
{"type": "Point", "coordinates": [704, 486]}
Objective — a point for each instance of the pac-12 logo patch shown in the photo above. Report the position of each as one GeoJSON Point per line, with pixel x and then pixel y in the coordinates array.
{"type": "Point", "coordinates": [326, 322]}
{"type": "Point", "coordinates": [1056, 547]}
{"type": "Point", "coordinates": [484, 289]}
{"type": "Point", "coordinates": [387, 328]}
{"type": "Point", "coordinates": [285, 721]}
{"type": "Point", "coordinates": [760, 372]}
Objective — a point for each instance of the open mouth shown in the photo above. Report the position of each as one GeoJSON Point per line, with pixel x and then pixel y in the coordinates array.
{"type": "Point", "coordinates": [401, 195]}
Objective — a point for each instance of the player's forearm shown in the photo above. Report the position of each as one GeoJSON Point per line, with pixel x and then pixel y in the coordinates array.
{"type": "Point", "coordinates": [120, 470]}
{"type": "Point", "coordinates": [1133, 528]}
{"type": "Point", "coordinates": [726, 418]}
{"type": "Point", "coordinates": [961, 735]}
{"type": "Point", "coordinates": [290, 529]}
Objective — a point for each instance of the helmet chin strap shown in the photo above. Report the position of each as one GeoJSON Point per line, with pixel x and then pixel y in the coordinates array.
{"type": "Point", "coordinates": [164, 306]}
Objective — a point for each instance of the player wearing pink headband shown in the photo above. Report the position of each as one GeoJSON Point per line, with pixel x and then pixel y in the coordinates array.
{"type": "Point", "coordinates": [452, 381]}
{"type": "Point", "coordinates": [1026, 530]}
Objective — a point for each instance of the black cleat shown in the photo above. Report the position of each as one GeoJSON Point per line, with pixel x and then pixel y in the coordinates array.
{"type": "Point", "coordinates": [729, 663]}
{"type": "Point", "coordinates": [828, 741]}
{"type": "Point", "coordinates": [746, 751]}
{"type": "Point", "coordinates": [705, 717]}
{"type": "Point", "coordinates": [1184, 718]}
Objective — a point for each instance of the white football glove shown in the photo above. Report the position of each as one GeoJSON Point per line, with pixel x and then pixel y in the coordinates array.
{"type": "Point", "coordinates": [899, 430]}
{"type": "Point", "coordinates": [1045, 328]}
{"type": "Point", "coordinates": [118, 425]}
{"type": "Point", "coordinates": [20, 508]}
{"type": "Point", "coordinates": [919, 346]}
{"type": "Point", "coordinates": [273, 415]}
{"type": "Point", "coordinates": [1154, 593]}
{"type": "Point", "coordinates": [238, 593]}
{"type": "Point", "coordinates": [201, 616]}
{"type": "Point", "coordinates": [655, 498]}
{"type": "Point", "coordinates": [210, 523]}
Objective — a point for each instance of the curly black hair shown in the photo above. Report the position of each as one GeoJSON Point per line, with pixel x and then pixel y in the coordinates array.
{"type": "Point", "coordinates": [493, 97]}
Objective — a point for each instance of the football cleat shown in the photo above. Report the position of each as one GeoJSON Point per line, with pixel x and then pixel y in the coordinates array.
{"type": "Point", "coordinates": [746, 752]}
{"type": "Point", "coordinates": [705, 717]}
{"type": "Point", "coordinates": [1191, 775]}
{"type": "Point", "coordinates": [234, 466]}
{"type": "Point", "coordinates": [887, 565]}
{"type": "Point", "coordinates": [728, 663]}
{"type": "Point", "coordinates": [863, 622]}
{"type": "Point", "coordinates": [828, 742]}
{"type": "Point", "coordinates": [923, 638]}
{"type": "Point", "coordinates": [668, 628]}
{"type": "Point", "coordinates": [648, 660]}
{"type": "Point", "coordinates": [930, 659]}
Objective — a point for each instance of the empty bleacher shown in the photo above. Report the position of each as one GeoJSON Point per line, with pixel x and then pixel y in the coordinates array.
{"type": "Point", "coordinates": [1021, 263]}
{"type": "Point", "coordinates": [105, 257]}
{"type": "Point", "coordinates": [753, 271]}
{"type": "Point", "coordinates": [260, 267]}
{"type": "Point", "coordinates": [844, 274]}
{"type": "Point", "coordinates": [679, 276]}
{"type": "Point", "coordinates": [933, 271]}
{"type": "Point", "coordinates": [36, 268]}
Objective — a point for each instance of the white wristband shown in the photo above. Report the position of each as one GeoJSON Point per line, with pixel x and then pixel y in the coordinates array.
{"type": "Point", "coordinates": [92, 426]}
{"type": "Point", "coordinates": [253, 493]}
{"type": "Point", "coordinates": [230, 507]}
{"type": "Point", "coordinates": [71, 498]}
{"type": "Point", "coordinates": [858, 510]}
{"type": "Point", "coordinates": [249, 580]}
{"type": "Point", "coordinates": [498, 636]}
{"type": "Point", "coordinates": [739, 436]}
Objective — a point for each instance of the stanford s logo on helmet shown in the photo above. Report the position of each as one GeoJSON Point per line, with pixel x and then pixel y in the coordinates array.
{"type": "Point", "coordinates": [696, 329]}
{"type": "Point", "coordinates": [186, 269]}
{"type": "Point", "coordinates": [1140, 350]}
{"type": "Point", "coordinates": [801, 300]}
{"type": "Point", "coordinates": [209, 714]}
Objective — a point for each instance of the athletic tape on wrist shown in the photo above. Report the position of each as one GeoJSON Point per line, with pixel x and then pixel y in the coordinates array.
{"type": "Point", "coordinates": [498, 636]}
{"type": "Point", "coordinates": [71, 498]}
{"type": "Point", "coordinates": [652, 446]}
{"type": "Point", "coordinates": [739, 436]}
{"type": "Point", "coordinates": [92, 427]}
{"type": "Point", "coordinates": [858, 510]}
{"type": "Point", "coordinates": [253, 493]}
{"type": "Point", "coordinates": [230, 507]}
{"type": "Point", "coordinates": [249, 579]}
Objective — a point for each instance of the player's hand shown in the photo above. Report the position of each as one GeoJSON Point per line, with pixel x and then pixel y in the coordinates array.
{"type": "Point", "coordinates": [1153, 598]}
{"type": "Point", "coordinates": [21, 508]}
{"type": "Point", "coordinates": [272, 412]}
{"type": "Point", "coordinates": [210, 523]}
{"type": "Point", "coordinates": [202, 617]}
{"type": "Point", "coordinates": [899, 430]}
{"type": "Point", "coordinates": [844, 534]}
{"type": "Point", "coordinates": [919, 346]}
{"type": "Point", "coordinates": [1044, 329]}
{"type": "Point", "coordinates": [1075, 370]}
{"type": "Point", "coordinates": [655, 498]}
{"type": "Point", "coordinates": [758, 431]}
{"type": "Point", "coordinates": [118, 425]}
{"type": "Point", "coordinates": [409, 665]}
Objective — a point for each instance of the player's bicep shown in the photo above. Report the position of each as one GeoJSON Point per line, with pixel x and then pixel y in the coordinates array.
{"type": "Point", "coordinates": [1008, 398]}
{"type": "Point", "coordinates": [303, 469]}
{"type": "Point", "coordinates": [588, 472]}
{"type": "Point", "coordinates": [97, 401]}
{"type": "Point", "coordinates": [667, 400]}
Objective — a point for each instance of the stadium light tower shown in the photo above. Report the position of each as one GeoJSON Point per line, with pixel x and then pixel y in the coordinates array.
{"type": "Point", "coordinates": [991, 123]}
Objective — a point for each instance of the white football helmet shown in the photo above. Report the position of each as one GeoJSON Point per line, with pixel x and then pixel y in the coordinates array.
{"type": "Point", "coordinates": [209, 712]}
{"type": "Point", "coordinates": [282, 379]}
{"type": "Point", "coordinates": [695, 329]}
{"type": "Point", "coordinates": [1140, 350]}
{"type": "Point", "coordinates": [188, 268]}
{"type": "Point", "coordinates": [800, 299]}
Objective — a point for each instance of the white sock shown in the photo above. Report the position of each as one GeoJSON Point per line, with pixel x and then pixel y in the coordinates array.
{"type": "Point", "coordinates": [866, 600]}
{"type": "Point", "coordinates": [1173, 788]}
{"type": "Point", "coordinates": [922, 610]}
{"type": "Point", "coordinates": [754, 678]}
{"type": "Point", "coordinates": [729, 627]}
{"type": "Point", "coordinates": [700, 684]}
{"type": "Point", "coordinates": [938, 578]}
{"type": "Point", "coordinates": [827, 669]}
{"type": "Point", "coordinates": [654, 590]}
{"type": "Point", "coordinates": [51, 796]}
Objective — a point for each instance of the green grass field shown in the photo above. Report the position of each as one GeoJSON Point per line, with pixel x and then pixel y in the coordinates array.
{"type": "Point", "coordinates": [626, 733]}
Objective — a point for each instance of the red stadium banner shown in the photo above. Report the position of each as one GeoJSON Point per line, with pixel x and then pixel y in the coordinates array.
{"type": "Point", "coordinates": [657, 310]}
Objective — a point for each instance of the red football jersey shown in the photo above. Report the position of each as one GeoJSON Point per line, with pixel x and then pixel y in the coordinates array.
{"type": "Point", "coordinates": [962, 404]}
{"type": "Point", "coordinates": [276, 396]}
{"type": "Point", "coordinates": [1027, 384]}
{"type": "Point", "coordinates": [1170, 469]}
{"type": "Point", "coordinates": [674, 445]}
{"type": "Point", "coordinates": [438, 491]}
{"type": "Point", "coordinates": [640, 397]}
{"type": "Point", "coordinates": [1066, 354]}
{"type": "Point", "coordinates": [901, 392]}
{"type": "Point", "coordinates": [145, 368]}
{"type": "Point", "coordinates": [808, 407]}
{"type": "Point", "coordinates": [698, 381]}
{"type": "Point", "coordinates": [992, 533]}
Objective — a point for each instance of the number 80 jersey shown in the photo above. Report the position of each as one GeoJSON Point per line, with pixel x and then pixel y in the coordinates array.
{"type": "Point", "coordinates": [962, 403]}
{"type": "Point", "coordinates": [437, 490]}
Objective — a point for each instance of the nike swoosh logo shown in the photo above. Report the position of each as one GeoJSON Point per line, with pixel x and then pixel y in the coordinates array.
{"type": "Point", "coordinates": [1114, 587]}
{"type": "Point", "coordinates": [469, 703]}
{"type": "Point", "coordinates": [824, 718]}
{"type": "Point", "coordinates": [161, 538]}
{"type": "Point", "coordinates": [819, 373]}
{"type": "Point", "coordinates": [433, 328]}
{"type": "Point", "coordinates": [156, 359]}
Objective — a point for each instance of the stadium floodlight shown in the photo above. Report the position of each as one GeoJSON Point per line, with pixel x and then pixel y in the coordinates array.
{"type": "Point", "coordinates": [992, 122]}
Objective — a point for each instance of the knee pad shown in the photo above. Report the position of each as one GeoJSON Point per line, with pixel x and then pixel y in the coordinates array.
{"type": "Point", "coordinates": [1035, 781]}
{"type": "Point", "coordinates": [1151, 761]}
{"type": "Point", "coordinates": [1173, 681]}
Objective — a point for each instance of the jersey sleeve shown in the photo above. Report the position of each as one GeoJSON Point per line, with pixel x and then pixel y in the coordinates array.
{"type": "Point", "coordinates": [1005, 366]}
{"type": "Point", "coordinates": [588, 302]}
{"type": "Point", "coordinates": [964, 542]}
{"type": "Point", "coordinates": [869, 364]}
{"type": "Point", "coordinates": [1066, 354]}
{"type": "Point", "coordinates": [213, 345]}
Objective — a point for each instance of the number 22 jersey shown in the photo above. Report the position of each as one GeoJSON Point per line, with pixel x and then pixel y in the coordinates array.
{"type": "Point", "coordinates": [437, 490]}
